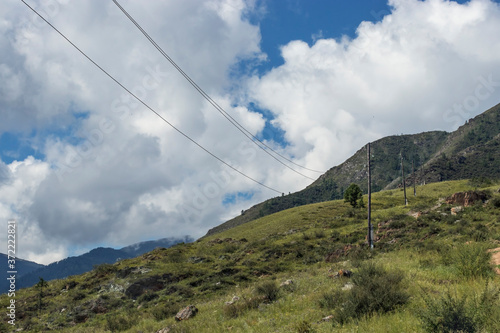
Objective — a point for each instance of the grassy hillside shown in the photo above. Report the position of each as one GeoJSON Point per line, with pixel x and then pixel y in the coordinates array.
{"type": "Point", "coordinates": [472, 151]}
{"type": "Point", "coordinates": [420, 249]}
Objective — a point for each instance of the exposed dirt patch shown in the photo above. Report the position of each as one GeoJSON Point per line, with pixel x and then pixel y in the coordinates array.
{"type": "Point", "coordinates": [495, 258]}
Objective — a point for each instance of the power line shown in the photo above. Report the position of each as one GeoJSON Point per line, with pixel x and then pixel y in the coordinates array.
{"type": "Point", "coordinates": [226, 115]}
{"type": "Point", "coordinates": [146, 105]}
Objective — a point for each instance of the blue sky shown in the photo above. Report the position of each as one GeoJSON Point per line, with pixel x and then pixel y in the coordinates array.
{"type": "Point", "coordinates": [81, 166]}
{"type": "Point", "coordinates": [306, 20]}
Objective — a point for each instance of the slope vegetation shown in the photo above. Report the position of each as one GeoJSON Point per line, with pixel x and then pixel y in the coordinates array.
{"type": "Point", "coordinates": [433, 253]}
{"type": "Point", "coordinates": [472, 151]}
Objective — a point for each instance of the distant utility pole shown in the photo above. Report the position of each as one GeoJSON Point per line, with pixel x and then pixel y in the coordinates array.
{"type": "Point", "coordinates": [413, 172]}
{"type": "Point", "coordinates": [403, 175]}
{"type": "Point", "coordinates": [370, 227]}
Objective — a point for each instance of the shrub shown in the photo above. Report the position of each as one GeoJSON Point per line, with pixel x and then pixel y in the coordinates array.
{"type": "Point", "coordinates": [480, 182]}
{"type": "Point", "coordinates": [119, 323]}
{"type": "Point", "coordinates": [184, 291]}
{"type": "Point", "coordinates": [78, 296]}
{"type": "Point", "coordinates": [330, 300]}
{"type": "Point", "coordinates": [147, 297]}
{"type": "Point", "coordinates": [164, 311]}
{"type": "Point", "coordinates": [237, 309]}
{"type": "Point", "coordinates": [304, 327]}
{"type": "Point", "coordinates": [495, 202]}
{"type": "Point", "coordinates": [105, 269]}
{"type": "Point", "coordinates": [481, 233]}
{"type": "Point", "coordinates": [269, 290]}
{"type": "Point", "coordinates": [176, 256]}
{"type": "Point", "coordinates": [231, 311]}
{"type": "Point", "coordinates": [375, 290]}
{"type": "Point", "coordinates": [451, 313]}
{"type": "Point", "coordinates": [398, 224]}
{"type": "Point", "coordinates": [472, 260]}
{"type": "Point", "coordinates": [319, 234]}
{"type": "Point", "coordinates": [230, 248]}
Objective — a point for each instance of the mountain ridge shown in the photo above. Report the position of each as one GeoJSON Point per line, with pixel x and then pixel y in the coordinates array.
{"type": "Point", "coordinates": [83, 263]}
{"type": "Point", "coordinates": [468, 152]}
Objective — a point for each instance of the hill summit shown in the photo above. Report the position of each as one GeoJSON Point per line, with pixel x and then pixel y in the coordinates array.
{"type": "Point", "coordinates": [472, 151]}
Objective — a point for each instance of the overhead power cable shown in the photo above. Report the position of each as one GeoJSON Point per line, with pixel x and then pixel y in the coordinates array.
{"type": "Point", "coordinates": [146, 105]}
{"type": "Point", "coordinates": [226, 115]}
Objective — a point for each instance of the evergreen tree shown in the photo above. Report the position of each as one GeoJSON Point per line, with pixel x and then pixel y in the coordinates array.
{"type": "Point", "coordinates": [354, 196]}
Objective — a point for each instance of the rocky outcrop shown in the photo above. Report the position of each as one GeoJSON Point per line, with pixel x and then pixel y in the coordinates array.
{"type": "Point", "coordinates": [467, 199]}
{"type": "Point", "coordinates": [188, 312]}
{"type": "Point", "coordinates": [152, 283]}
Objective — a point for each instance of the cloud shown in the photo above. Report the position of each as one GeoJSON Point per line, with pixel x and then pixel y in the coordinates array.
{"type": "Point", "coordinates": [403, 74]}
{"type": "Point", "coordinates": [118, 174]}
{"type": "Point", "coordinates": [111, 172]}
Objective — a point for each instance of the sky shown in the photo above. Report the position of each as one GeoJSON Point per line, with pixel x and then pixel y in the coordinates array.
{"type": "Point", "coordinates": [83, 164]}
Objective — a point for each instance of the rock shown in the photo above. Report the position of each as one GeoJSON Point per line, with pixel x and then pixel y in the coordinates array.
{"type": "Point", "coordinates": [98, 306]}
{"type": "Point", "coordinates": [234, 300]}
{"type": "Point", "coordinates": [340, 273]}
{"type": "Point", "coordinates": [348, 286]}
{"type": "Point", "coordinates": [327, 318]}
{"type": "Point", "coordinates": [345, 272]}
{"type": "Point", "coordinates": [415, 214]}
{"type": "Point", "coordinates": [141, 270]}
{"type": "Point", "coordinates": [71, 285]}
{"type": "Point", "coordinates": [152, 283]}
{"type": "Point", "coordinates": [196, 260]}
{"type": "Point", "coordinates": [188, 312]}
{"type": "Point", "coordinates": [456, 210]}
{"type": "Point", "coordinates": [80, 315]}
{"type": "Point", "coordinates": [165, 330]}
{"type": "Point", "coordinates": [286, 283]}
{"type": "Point", "coordinates": [468, 198]}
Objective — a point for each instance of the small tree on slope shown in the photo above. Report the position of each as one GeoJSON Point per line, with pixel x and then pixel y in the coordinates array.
{"type": "Point", "coordinates": [354, 196]}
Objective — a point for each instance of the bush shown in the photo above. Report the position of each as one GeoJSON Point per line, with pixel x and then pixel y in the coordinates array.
{"type": "Point", "coordinates": [472, 260]}
{"type": "Point", "coordinates": [375, 290]}
{"type": "Point", "coordinates": [176, 257]}
{"type": "Point", "coordinates": [319, 234]}
{"type": "Point", "coordinates": [480, 182]}
{"type": "Point", "coordinates": [451, 313]}
{"type": "Point", "coordinates": [105, 269]}
{"type": "Point", "coordinates": [164, 311]}
{"type": "Point", "coordinates": [147, 297]}
{"type": "Point", "coordinates": [237, 309]}
{"type": "Point", "coordinates": [330, 300]}
{"type": "Point", "coordinates": [269, 290]}
{"type": "Point", "coordinates": [495, 202]}
{"type": "Point", "coordinates": [119, 323]}
{"type": "Point", "coordinates": [304, 327]}
{"type": "Point", "coordinates": [398, 224]}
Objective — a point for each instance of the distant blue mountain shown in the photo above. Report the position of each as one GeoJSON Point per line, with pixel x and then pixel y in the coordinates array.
{"type": "Point", "coordinates": [30, 273]}
{"type": "Point", "coordinates": [144, 247]}
{"type": "Point", "coordinates": [23, 267]}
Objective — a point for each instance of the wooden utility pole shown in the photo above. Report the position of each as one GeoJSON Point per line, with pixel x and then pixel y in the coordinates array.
{"type": "Point", "coordinates": [370, 227]}
{"type": "Point", "coordinates": [414, 181]}
{"type": "Point", "coordinates": [403, 175]}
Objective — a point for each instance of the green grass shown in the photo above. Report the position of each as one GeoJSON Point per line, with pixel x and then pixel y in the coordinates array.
{"type": "Point", "coordinates": [251, 260]}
